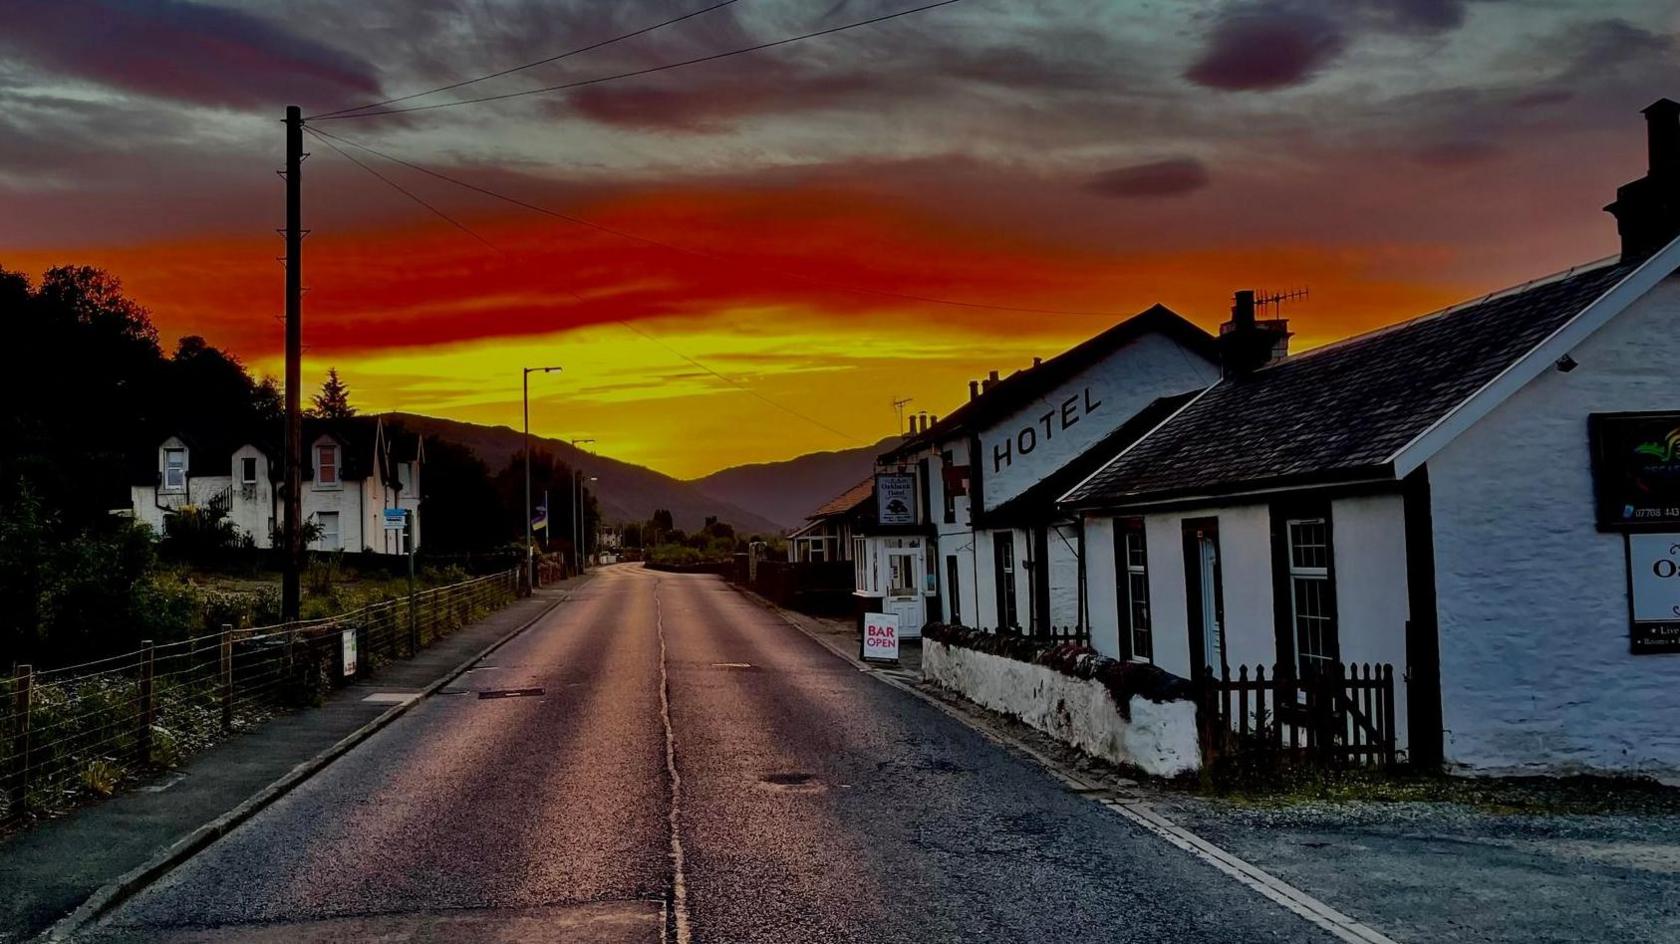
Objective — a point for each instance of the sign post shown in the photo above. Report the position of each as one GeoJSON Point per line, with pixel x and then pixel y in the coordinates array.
{"type": "Point", "coordinates": [880, 637]}
{"type": "Point", "coordinates": [347, 640]}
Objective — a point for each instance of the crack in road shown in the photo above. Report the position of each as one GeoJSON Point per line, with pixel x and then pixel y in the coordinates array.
{"type": "Point", "coordinates": [677, 928]}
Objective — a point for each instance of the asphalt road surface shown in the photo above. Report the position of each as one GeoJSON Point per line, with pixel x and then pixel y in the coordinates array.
{"type": "Point", "coordinates": [809, 802]}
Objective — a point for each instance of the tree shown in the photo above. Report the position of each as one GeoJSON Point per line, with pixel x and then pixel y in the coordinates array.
{"type": "Point", "coordinates": [333, 402]}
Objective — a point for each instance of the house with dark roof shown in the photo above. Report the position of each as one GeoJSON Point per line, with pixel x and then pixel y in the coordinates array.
{"type": "Point", "coordinates": [1486, 498]}
{"type": "Point", "coordinates": [826, 534]}
{"type": "Point", "coordinates": [965, 526]}
{"type": "Point", "coordinates": [354, 470]}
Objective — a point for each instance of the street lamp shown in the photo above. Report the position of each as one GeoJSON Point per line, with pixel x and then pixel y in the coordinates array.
{"type": "Point", "coordinates": [525, 390]}
{"type": "Point", "coordinates": [577, 493]}
{"type": "Point", "coordinates": [579, 523]}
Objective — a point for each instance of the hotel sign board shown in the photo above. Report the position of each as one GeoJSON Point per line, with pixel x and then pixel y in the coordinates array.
{"type": "Point", "coordinates": [1654, 592]}
{"type": "Point", "coordinates": [895, 499]}
{"type": "Point", "coordinates": [1636, 470]}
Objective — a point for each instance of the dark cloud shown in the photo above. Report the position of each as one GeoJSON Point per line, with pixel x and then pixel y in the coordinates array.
{"type": "Point", "coordinates": [182, 50]}
{"type": "Point", "coordinates": [715, 105]}
{"type": "Point", "coordinates": [1173, 177]}
{"type": "Point", "coordinates": [1427, 16]}
{"type": "Point", "coordinates": [1267, 45]}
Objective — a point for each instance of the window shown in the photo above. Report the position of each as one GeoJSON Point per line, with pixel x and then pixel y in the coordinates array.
{"type": "Point", "coordinates": [1312, 606]}
{"type": "Point", "coordinates": [953, 609]}
{"type": "Point", "coordinates": [330, 538]}
{"type": "Point", "coordinates": [326, 466]}
{"type": "Point", "coordinates": [248, 470]}
{"type": "Point", "coordinates": [1003, 560]}
{"type": "Point", "coordinates": [1131, 559]}
{"type": "Point", "coordinates": [901, 569]}
{"type": "Point", "coordinates": [816, 551]}
{"type": "Point", "coordinates": [175, 470]}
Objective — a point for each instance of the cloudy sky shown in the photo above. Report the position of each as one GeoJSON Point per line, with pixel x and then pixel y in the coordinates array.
{"type": "Point", "coordinates": [781, 217]}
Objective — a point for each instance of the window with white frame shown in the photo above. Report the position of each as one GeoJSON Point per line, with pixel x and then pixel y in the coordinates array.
{"type": "Point", "coordinates": [1133, 567]}
{"type": "Point", "coordinates": [331, 540]}
{"type": "Point", "coordinates": [248, 470]}
{"type": "Point", "coordinates": [174, 470]}
{"type": "Point", "coordinates": [860, 563]}
{"type": "Point", "coordinates": [1312, 604]}
{"type": "Point", "coordinates": [326, 465]}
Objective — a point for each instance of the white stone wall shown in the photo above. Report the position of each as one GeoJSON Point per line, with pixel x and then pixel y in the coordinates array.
{"type": "Point", "coordinates": [1532, 599]}
{"type": "Point", "coordinates": [1084, 408]}
{"type": "Point", "coordinates": [1160, 739]}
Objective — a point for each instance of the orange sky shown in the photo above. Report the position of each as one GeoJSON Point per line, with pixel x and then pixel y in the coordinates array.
{"type": "Point", "coordinates": [1093, 159]}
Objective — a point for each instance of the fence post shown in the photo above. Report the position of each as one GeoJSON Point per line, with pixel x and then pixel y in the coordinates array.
{"type": "Point", "coordinates": [1388, 713]}
{"type": "Point", "coordinates": [226, 676]}
{"type": "Point", "coordinates": [144, 731]}
{"type": "Point", "coordinates": [23, 683]}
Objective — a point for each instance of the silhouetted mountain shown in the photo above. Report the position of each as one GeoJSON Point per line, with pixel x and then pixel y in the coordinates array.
{"type": "Point", "coordinates": [789, 490]}
{"type": "Point", "coordinates": [627, 492]}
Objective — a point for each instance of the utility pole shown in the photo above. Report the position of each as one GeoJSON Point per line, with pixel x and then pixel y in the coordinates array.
{"type": "Point", "coordinates": [530, 546]}
{"type": "Point", "coordinates": [290, 589]}
{"type": "Point", "coordinates": [577, 496]}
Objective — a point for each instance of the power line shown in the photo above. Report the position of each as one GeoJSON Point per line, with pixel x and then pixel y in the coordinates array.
{"type": "Point", "coordinates": [529, 65]}
{"type": "Point", "coordinates": [703, 254]}
{"type": "Point", "coordinates": [580, 83]}
{"type": "Point", "coordinates": [704, 367]}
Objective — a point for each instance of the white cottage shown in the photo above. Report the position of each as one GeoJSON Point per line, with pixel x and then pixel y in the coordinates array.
{"type": "Point", "coordinates": [966, 525]}
{"type": "Point", "coordinates": [1487, 498]}
{"type": "Point", "coordinates": [353, 470]}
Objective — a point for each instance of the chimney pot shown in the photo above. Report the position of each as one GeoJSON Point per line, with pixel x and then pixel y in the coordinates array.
{"type": "Point", "coordinates": [1662, 136]}
{"type": "Point", "coordinates": [974, 389]}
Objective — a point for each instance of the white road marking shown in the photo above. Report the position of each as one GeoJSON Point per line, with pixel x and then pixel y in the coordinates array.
{"type": "Point", "coordinates": [679, 878]}
{"type": "Point", "coordinates": [392, 698]}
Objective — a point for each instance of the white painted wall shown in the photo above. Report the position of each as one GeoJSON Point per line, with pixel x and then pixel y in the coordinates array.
{"type": "Point", "coordinates": [1064, 575]}
{"type": "Point", "coordinates": [1371, 590]}
{"type": "Point", "coordinates": [1532, 599]}
{"type": "Point", "coordinates": [1102, 598]}
{"type": "Point", "coordinates": [1160, 739]}
{"type": "Point", "coordinates": [1056, 428]}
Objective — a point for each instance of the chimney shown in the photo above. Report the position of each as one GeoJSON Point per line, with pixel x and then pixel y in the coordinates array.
{"type": "Point", "coordinates": [974, 389]}
{"type": "Point", "coordinates": [991, 379]}
{"type": "Point", "coordinates": [1647, 211]}
{"type": "Point", "coordinates": [1247, 344]}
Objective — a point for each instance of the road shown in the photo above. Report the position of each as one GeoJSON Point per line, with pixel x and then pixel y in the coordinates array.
{"type": "Point", "coordinates": [810, 802]}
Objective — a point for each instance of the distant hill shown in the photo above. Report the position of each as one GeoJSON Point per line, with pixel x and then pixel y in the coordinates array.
{"type": "Point", "coordinates": [789, 490]}
{"type": "Point", "coordinates": [627, 492]}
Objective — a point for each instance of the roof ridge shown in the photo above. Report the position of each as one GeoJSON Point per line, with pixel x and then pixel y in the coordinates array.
{"type": "Point", "coordinates": [1494, 295]}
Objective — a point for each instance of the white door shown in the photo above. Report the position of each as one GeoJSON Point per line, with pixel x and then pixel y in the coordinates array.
{"type": "Point", "coordinates": [904, 590]}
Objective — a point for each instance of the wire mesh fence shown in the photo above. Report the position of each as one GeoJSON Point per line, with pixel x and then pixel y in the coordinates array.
{"type": "Point", "coordinates": [77, 732]}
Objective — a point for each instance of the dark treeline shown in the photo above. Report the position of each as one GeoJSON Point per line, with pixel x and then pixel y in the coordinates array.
{"type": "Point", "coordinates": [89, 385]}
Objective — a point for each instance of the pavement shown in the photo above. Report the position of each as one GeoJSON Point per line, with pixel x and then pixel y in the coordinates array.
{"type": "Point", "coordinates": [51, 869]}
{"type": "Point", "coordinates": [664, 759]}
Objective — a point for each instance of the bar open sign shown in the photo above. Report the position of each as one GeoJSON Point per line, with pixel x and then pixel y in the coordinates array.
{"type": "Point", "coordinates": [880, 637]}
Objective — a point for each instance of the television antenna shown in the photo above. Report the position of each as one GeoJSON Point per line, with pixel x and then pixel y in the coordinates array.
{"type": "Point", "coordinates": [1273, 302]}
{"type": "Point", "coordinates": [898, 412]}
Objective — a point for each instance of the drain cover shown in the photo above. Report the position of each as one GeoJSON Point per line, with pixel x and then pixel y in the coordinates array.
{"type": "Point", "coordinates": [510, 693]}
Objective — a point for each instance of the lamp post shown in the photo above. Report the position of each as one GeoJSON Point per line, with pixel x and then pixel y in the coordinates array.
{"type": "Point", "coordinates": [577, 546]}
{"type": "Point", "coordinates": [525, 390]}
{"type": "Point", "coordinates": [579, 522]}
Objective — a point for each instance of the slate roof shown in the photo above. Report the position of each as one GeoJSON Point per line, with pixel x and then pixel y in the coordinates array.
{"type": "Point", "coordinates": [1343, 410]}
{"type": "Point", "coordinates": [1025, 386]}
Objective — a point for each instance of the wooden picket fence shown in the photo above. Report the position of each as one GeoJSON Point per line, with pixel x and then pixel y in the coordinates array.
{"type": "Point", "coordinates": [1342, 715]}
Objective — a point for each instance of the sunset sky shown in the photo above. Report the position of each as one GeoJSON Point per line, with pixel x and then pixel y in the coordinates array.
{"type": "Point", "coordinates": [1088, 157]}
